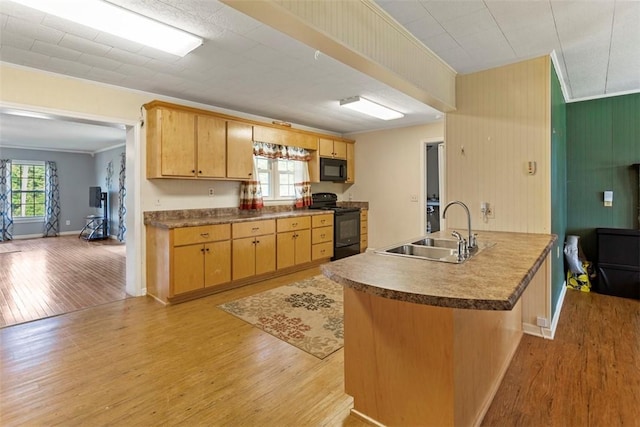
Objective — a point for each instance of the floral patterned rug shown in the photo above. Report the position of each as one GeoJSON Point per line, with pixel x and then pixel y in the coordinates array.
{"type": "Point", "coordinates": [307, 314]}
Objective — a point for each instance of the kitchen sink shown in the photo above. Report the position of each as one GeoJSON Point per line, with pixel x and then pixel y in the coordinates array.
{"type": "Point", "coordinates": [432, 249]}
{"type": "Point", "coordinates": [437, 243]}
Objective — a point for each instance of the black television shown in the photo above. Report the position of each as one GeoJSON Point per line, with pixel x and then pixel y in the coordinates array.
{"type": "Point", "coordinates": [95, 197]}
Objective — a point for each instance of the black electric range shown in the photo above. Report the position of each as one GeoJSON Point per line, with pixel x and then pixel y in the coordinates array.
{"type": "Point", "coordinates": [346, 225]}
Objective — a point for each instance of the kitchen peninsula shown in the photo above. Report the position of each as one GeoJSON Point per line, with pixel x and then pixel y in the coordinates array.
{"type": "Point", "coordinates": [427, 342]}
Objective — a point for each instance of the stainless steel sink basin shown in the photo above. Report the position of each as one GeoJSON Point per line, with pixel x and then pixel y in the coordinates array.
{"type": "Point", "coordinates": [437, 243]}
{"type": "Point", "coordinates": [432, 249]}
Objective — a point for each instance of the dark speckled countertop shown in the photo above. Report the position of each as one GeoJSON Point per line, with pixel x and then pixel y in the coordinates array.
{"type": "Point", "coordinates": [494, 279]}
{"type": "Point", "coordinates": [196, 217]}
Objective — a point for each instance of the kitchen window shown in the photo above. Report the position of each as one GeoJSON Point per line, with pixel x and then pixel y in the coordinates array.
{"type": "Point", "coordinates": [276, 177]}
{"type": "Point", "coordinates": [27, 190]}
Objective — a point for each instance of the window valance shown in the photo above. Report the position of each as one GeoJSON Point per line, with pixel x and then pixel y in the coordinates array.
{"type": "Point", "coordinates": [274, 151]}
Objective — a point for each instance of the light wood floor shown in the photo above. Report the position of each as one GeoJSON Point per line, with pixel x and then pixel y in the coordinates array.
{"type": "Point", "coordinates": [46, 277]}
{"type": "Point", "coordinates": [135, 362]}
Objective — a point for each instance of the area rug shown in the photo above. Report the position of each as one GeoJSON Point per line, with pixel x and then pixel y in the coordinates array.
{"type": "Point", "coordinates": [307, 314]}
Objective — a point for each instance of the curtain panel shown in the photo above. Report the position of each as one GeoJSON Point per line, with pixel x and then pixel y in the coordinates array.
{"type": "Point", "coordinates": [251, 193]}
{"type": "Point", "coordinates": [51, 200]}
{"type": "Point", "coordinates": [6, 216]}
{"type": "Point", "coordinates": [122, 192]}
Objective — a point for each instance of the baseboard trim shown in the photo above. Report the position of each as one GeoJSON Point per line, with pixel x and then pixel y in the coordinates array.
{"type": "Point", "coordinates": [547, 333]}
{"type": "Point", "coordinates": [35, 236]}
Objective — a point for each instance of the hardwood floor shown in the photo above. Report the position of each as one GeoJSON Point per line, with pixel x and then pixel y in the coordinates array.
{"type": "Point", "coordinates": [589, 375]}
{"type": "Point", "coordinates": [135, 362]}
{"type": "Point", "coordinates": [46, 277]}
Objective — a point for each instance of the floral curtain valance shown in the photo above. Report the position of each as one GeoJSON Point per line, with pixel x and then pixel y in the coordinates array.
{"type": "Point", "coordinates": [274, 151]}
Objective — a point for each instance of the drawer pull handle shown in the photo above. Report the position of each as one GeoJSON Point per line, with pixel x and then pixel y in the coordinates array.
{"type": "Point", "coordinates": [323, 251]}
{"type": "Point", "coordinates": [295, 224]}
{"type": "Point", "coordinates": [255, 229]}
{"type": "Point", "coordinates": [322, 235]}
{"type": "Point", "coordinates": [204, 234]}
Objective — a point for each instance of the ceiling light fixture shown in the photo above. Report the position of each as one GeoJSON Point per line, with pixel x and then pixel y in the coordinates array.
{"type": "Point", "coordinates": [120, 22]}
{"type": "Point", "coordinates": [371, 108]}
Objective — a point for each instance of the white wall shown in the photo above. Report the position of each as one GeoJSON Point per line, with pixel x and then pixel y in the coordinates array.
{"type": "Point", "coordinates": [390, 168]}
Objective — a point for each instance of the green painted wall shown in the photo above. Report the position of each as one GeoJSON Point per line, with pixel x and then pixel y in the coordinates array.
{"type": "Point", "coordinates": [603, 140]}
{"type": "Point", "coordinates": [558, 185]}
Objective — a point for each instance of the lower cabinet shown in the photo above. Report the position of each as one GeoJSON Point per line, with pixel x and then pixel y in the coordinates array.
{"type": "Point", "coordinates": [253, 256]}
{"type": "Point", "coordinates": [190, 262]}
{"type": "Point", "coordinates": [253, 248]}
{"type": "Point", "coordinates": [198, 266]}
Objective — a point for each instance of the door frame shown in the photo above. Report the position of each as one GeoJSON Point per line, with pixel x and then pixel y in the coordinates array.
{"type": "Point", "coordinates": [423, 182]}
{"type": "Point", "coordinates": [135, 280]}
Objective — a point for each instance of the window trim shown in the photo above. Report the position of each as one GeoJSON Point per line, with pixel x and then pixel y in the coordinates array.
{"type": "Point", "coordinates": [274, 182]}
{"type": "Point", "coordinates": [29, 219]}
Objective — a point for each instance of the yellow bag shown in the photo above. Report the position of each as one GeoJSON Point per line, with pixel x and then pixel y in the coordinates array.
{"type": "Point", "coordinates": [580, 282]}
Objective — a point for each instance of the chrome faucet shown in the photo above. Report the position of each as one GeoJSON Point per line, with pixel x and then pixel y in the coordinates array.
{"type": "Point", "coordinates": [471, 242]}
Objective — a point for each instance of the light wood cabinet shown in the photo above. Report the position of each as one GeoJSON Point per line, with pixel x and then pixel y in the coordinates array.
{"type": "Point", "coordinates": [293, 241]}
{"type": "Point", "coordinates": [321, 236]}
{"type": "Point", "coordinates": [171, 148]}
{"type": "Point", "coordinates": [239, 150]}
{"type": "Point", "coordinates": [331, 148]}
{"type": "Point", "coordinates": [286, 137]}
{"type": "Point", "coordinates": [182, 261]}
{"type": "Point", "coordinates": [253, 248]}
{"type": "Point", "coordinates": [351, 164]}
{"type": "Point", "coordinates": [364, 229]}
{"type": "Point", "coordinates": [211, 144]}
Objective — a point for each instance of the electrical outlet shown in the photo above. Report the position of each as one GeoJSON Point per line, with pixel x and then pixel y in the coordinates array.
{"type": "Point", "coordinates": [414, 198]}
{"type": "Point", "coordinates": [211, 192]}
{"type": "Point", "coordinates": [67, 222]}
{"type": "Point", "coordinates": [543, 322]}
{"type": "Point", "coordinates": [486, 209]}
{"type": "Point", "coordinates": [157, 202]}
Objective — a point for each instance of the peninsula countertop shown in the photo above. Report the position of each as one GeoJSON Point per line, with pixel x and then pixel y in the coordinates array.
{"type": "Point", "coordinates": [492, 280]}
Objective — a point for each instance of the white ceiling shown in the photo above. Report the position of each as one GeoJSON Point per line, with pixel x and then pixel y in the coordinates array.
{"type": "Point", "coordinates": [249, 67]}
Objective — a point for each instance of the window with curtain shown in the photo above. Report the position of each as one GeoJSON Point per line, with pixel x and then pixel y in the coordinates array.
{"type": "Point", "coordinates": [28, 189]}
{"type": "Point", "coordinates": [276, 177]}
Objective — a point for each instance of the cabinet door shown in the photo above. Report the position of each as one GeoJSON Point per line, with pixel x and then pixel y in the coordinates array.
{"type": "Point", "coordinates": [244, 258]}
{"type": "Point", "coordinates": [351, 164]}
{"type": "Point", "coordinates": [303, 246]}
{"type": "Point", "coordinates": [325, 147]}
{"type": "Point", "coordinates": [339, 150]}
{"type": "Point", "coordinates": [286, 249]}
{"type": "Point", "coordinates": [217, 263]}
{"type": "Point", "coordinates": [178, 143]}
{"type": "Point", "coordinates": [265, 254]}
{"type": "Point", "coordinates": [188, 268]}
{"type": "Point", "coordinates": [211, 140]}
{"type": "Point", "coordinates": [239, 150]}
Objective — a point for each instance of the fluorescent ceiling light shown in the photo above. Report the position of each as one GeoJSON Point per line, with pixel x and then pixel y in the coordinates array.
{"type": "Point", "coordinates": [365, 106]}
{"type": "Point", "coordinates": [120, 22]}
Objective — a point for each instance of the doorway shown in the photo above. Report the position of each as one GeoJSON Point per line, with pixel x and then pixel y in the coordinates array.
{"type": "Point", "coordinates": [434, 177]}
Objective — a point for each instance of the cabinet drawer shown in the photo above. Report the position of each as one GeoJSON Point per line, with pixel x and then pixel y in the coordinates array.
{"type": "Point", "coordinates": [253, 228]}
{"type": "Point", "coordinates": [364, 215]}
{"type": "Point", "coordinates": [291, 224]}
{"type": "Point", "coordinates": [322, 250]}
{"type": "Point", "coordinates": [322, 235]}
{"type": "Point", "coordinates": [322, 220]}
{"type": "Point", "coordinates": [201, 234]}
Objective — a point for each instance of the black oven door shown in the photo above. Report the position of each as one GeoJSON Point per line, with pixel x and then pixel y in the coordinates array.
{"type": "Point", "coordinates": [346, 234]}
{"type": "Point", "coordinates": [333, 170]}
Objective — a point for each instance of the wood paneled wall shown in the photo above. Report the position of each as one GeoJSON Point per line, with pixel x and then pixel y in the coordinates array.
{"type": "Point", "coordinates": [603, 140]}
{"type": "Point", "coordinates": [501, 123]}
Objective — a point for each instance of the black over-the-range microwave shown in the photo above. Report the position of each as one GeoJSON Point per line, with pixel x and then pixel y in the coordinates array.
{"type": "Point", "coordinates": [333, 169]}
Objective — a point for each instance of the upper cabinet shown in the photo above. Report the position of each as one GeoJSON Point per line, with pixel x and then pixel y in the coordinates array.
{"type": "Point", "coordinates": [285, 137]}
{"type": "Point", "coordinates": [351, 163]}
{"type": "Point", "coordinates": [239, 150]}
{"type": "Point", "coordinates": [331, 148]}
{"type": "Point", "coordinates": [190, 143]}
